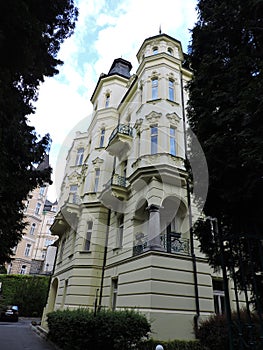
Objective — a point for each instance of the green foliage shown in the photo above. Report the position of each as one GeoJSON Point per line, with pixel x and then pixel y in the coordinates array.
{"type": "Point", "coordinates": [172, 345]}
{"type": "Point", "coordinates": [29, 293]}
{"type": "Point", "coordinates": [213, 332]}
{"type": "Point", "coordinates": [225, 112]}
{"type": "Point", "coordinates": [111, 330]}
{"type": "Point", "coordinates": [31, 33]}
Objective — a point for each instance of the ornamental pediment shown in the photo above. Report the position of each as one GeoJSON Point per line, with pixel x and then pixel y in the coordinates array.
{"type": "Point", "coordinates": [153, 117]}
{"type": "Point", "coordinates": [74, 176]}
{"type": "Point", "coordinates": [173, 118]}
{"type": "Point", "coordinates": [97, 161]}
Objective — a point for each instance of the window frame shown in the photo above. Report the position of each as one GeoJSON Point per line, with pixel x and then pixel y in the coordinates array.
{"type": "Point", "coordinates": [27, 251]}
{"type": "Point", "coordinates": [102, 137]}
{"type": "Point", "coordinates": [171, 90]}
{"type": "Point", "coordinates": [80, 156]}
{"type": "Point", "coordinates": [172, 138]}
{"type": "Point", "coordinates": [87, 242]}
{"type": "Point", "coordinates": [37, 209]}
{"type": "Point", "coordinates": [32, 228]}
{"type": "Point", "coordinates": [154, 139]}
{"type": "Point", "coordinates": [155, 84]}
{"type": "Point", "coordinates": [96, 180]}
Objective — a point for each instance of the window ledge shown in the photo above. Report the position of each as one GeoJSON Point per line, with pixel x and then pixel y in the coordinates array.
{"type": "Point", "coordinates": [154, 101]}
{"type": "Point", "coordinates": [103, 147]}
{"type": "Point", "coordinates": [85, 252]}
{"type": "Point", "coordinates": [173, 102]}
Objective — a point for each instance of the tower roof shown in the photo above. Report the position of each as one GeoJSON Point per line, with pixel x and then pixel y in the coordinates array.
{"type": "Point", "coordinates": [121, 67]}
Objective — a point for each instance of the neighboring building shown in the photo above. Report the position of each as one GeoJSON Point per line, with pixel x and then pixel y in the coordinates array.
{"type": "Point", "coordinates": [34, 254]}
{"type": "Point", "coordinates": [123, 227]}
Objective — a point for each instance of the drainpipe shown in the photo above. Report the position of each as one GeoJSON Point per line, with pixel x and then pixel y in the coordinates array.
{"type": "Point", "coordinates": [106, 245]}
{"type": "Point", "coordinates": [197, 315]}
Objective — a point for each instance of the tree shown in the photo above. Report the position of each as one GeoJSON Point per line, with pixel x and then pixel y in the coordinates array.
{"type": "Point", "coordinates": [225, 112]}
{"type": "Point", "coordinates": [31, 32]}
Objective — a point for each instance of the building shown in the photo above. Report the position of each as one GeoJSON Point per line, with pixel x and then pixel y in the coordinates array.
{"type": "Point", "coordinates": [34, 253]}
{"type": "Point", "coordinates": [124, 224]}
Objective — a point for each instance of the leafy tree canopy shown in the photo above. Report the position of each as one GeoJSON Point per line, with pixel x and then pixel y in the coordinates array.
{"type": "Point", "coordinates": [31, 32]}
{"type": "Point", "coordinates": [225, 112]}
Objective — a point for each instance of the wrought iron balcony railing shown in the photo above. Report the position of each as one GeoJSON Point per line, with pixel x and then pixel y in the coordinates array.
{"type": "Point", "coordinates": [171, 242]}
{"type": "Point", "coordinates": [121, 129]}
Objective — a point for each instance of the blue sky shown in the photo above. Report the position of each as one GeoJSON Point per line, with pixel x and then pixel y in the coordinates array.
{"type": "Point", "coordinates": [106, 29]}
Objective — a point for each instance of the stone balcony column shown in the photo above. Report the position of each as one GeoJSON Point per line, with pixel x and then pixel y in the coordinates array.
{"type": "Point", "coordinates": [154, 228]}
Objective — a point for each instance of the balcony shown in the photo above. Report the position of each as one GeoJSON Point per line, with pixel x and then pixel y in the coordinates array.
{"type": "Point", "coordinates": [171, 242]}
{"type": "Point", "coordinates": [115, 191]}
{"type": "Point", "coordinates": [120, 141]}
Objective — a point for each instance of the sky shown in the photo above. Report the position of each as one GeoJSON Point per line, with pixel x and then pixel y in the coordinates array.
{"type": "Point", "coordinates": [105, 30]}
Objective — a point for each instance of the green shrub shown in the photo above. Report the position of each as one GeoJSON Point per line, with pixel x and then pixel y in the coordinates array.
{"type": "Point", "coordinates": [171, 345]}
{"type": "Point", "coordinates": [29, 293]}
{"type": "Point", "coordinates": [107, 330]}
{"type": "Point", "coordinates": [213, 332]}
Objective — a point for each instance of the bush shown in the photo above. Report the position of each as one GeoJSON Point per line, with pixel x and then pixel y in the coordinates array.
{"type": "Point", "coordinates": [172, 345]}
{"type": "Point", "coordinates": [213, 332]}
{"type": "Point", "coordinates": [107, 330]}
{"type": "Point", "coordinates": [29, 293]}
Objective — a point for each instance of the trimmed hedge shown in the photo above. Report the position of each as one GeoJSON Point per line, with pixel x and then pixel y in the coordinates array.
{"type": "Point", "coordinates": [29, 293]}
{"type": "Point", "coordinates": [107, 330]}
{"type": "Point", "coordinates": [172, 345]}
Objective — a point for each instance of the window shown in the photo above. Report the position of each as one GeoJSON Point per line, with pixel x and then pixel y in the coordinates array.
{"type": "Point", "coordinates": [171, 90]}
{"type": "Point", "coordinates": [62, 247]}
{"type": "Point", "coordinates": [102, 136]}
{"type": "Point", "coordinates": [73, 193]}
{"type": "Point", "coordinates": [155, 50]}
{"type": "Point", "coordinates": [219, 296]}
{"type": "Point", "coordinates": [114, 286]}
{"type": "Point", "coordinates": [42, 191]}
{"type": "Point", "coordinates": [154, 88]}
{"type": "Point", "coordinates": [32, 229]}
{"type": "Point", "coordinates": [96, 182]}
{"type": "Point", "coordinates": [172, 141]}
{"type": "Point", "coordinates": [23, 270]}
{"type": "Point", "coordinates": [107, 101]}
{"type": "Point", "coordinates": [79, 158]}
{"type": "Point", "coordinates": [37, 210]}
{"type": "Point", "coordinates": [120, 227]}
{"type": "Point", "coordinates": [154, 139]}
{"type": "Point", "coordinates": [88, 236]}
{"type": "Point", "coordinates": [28, 249]}
{"type": "Point", "coordinates": [48, 242]}
{"type": "Point", "coordinates": [170, 51]}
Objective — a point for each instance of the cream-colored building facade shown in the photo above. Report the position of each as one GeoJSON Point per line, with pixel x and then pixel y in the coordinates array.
{"type": "Point", "coordinates": [124, 224]}
{"type": "Point", "coordinates": [34, 254]}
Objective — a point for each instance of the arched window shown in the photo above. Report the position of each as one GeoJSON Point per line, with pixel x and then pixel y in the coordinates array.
{"type": "Point", "coordinates": [154, 88]}
{"type": "Point", "coordinates": [170, 51]}
{"type": "Point", "coordinates": [171, 89]}
{"type": "Point", "coordinates": [32, 228]}
{"type": "Point", "coordinates": [155, 50]}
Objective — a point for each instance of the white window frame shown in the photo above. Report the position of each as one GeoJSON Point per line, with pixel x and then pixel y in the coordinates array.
{"type": "Point", "coordinates": [173, 145]}
{"type": "Point", "coordinates": [102, 137]}
{"type": "Point", "coordinates": [171, 90]}
{"type": "Point", "coordinates": [154, 136]}
{"type": "Point", "coordinates": [120, 231]}
{"type": "Point", "coordinates": [155, 84]}
{"type": "Point", "coordinates": [32, 228]}
{"type": "Point", "coordinates": [87, 242]}
{"type": "Point", "coordinates": [80, 156]}
{"type": "Point", "coordinates": [38, 207]}
{"type": "Point", "coordinates": [96, 180]}
{"type": "Point", "coordinates": [28, 249]}
{"type": "Point", "coordinates": [107, 100]}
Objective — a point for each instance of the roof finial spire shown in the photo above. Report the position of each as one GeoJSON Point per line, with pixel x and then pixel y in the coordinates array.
{"type": "Point", "coordinates": [160, 30]}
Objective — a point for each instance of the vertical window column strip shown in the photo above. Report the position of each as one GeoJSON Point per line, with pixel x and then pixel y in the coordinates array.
{"type": "Point", "coordinates": [88, 236]}
{"type": "Point", "coordinates": [154, 88]}
{"type": "Point", "coordinates": [154, 139]}
{"type": "Point", "coordinates": [173, 141]}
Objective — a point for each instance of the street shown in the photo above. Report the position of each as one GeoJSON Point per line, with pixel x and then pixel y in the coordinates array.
{"type": "Point", "coordinates": [20, 336]}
